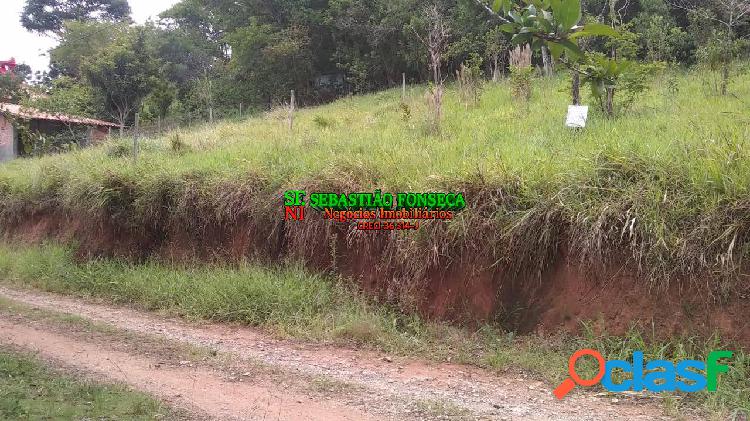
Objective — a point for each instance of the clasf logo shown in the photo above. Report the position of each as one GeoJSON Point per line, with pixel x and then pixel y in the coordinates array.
{"type": "Point", "coordinates": [654, 376]}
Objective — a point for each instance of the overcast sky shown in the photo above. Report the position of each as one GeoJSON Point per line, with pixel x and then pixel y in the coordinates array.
{"type": "Point", "coordinates": [15, 41]}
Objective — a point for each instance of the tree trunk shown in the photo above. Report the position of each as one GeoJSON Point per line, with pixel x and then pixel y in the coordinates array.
{"type": "Point", "coordinates": [576, 88]}
{"type": "Point", "coordinates": [495, 69]}
{"type": "Point", "coordinates": [547, 61]}
{"type": "Point", "coordinates": [610, 101]}
{"type": "Point", "coordinates": [725, 78]}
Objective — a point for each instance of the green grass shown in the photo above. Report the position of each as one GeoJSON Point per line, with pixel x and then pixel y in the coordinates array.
{"type": "Point", "coordinates": [663, 185]}
{"type": "Point", "coordinates": [286, 300]}
{"type": "Point", "coordinates": [31, 391]}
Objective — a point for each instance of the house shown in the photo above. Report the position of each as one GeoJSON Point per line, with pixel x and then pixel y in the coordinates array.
{"type": "Point", "coordinates": [7, 66]}
{"type": "Point", "coordinates": [45, 123]}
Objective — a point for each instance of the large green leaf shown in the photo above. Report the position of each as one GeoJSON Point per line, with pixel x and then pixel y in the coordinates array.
{"type": "Point", "coordinates": [515, 16]}
{"type": "Point", "coordinates": [544, 24]}
{"type": "Point", "coordinates": [497, 5]}
{"type": "Point", "coordinates": [507, 6]}
{"type": "Point", "coordinates": [567, 12]}
{"type": "Point", "coordinates": [595, 29]}
{"type": "Point", "coordinates": [555, 49]}
{"type": "Point", "coordinates": [572, 48]}
{"type": "Point", "coordinates": [519, 39]}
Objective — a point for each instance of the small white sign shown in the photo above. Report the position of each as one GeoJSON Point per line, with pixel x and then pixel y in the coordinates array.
{"type": "Point", "coordinates": [577, 116]}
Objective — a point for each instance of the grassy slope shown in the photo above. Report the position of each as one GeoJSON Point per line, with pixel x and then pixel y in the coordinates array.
{"type": "Point", "coordinates": [29, 390]}
{"type": "Point", "coordinates": [665, 184]}
{"type": "Point", "coordinates": [287, 301]}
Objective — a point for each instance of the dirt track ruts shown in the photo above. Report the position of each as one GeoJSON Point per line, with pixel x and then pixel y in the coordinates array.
{"type": "Point", "coordinates": [373, 387]}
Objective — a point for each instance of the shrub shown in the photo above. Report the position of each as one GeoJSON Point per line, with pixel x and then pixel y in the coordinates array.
{"type": "Point", "coordinates": [177, 144]}
{"type": "Point", "coordinates": [469, 77]}
{"type": "Point", "coordinates": [521, 73]}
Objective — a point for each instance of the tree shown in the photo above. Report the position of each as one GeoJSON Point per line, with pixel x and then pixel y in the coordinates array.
{"type": "Point", "coordinates": [70, 96]}
{"type": "Point", "coordinates": [12, 84]}
{"type": "Point", "coordinates": [729, 15]}
{"type": "Point", "coordinates": [602, 74]}
{"type": "Point", "coordinates": [82, 40]}
{"type": "Point", "coordinates": [554, 24]}
{"type": "Point", "coordinates": [10, 88]}
{"type": "Point", "coordinates": [272, 62]}
{"type": "Point", "coordinates": [436, 42]}
{"type": "Point", "coordinates": [49, 16]}
{"type": "Point", "coordinates": [496, 48]}
{"type": "Point", "coordinates": [124, 74]}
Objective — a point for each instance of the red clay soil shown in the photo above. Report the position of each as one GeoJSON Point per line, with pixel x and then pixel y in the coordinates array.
{"type": "Point", "coordinates": [454, 289]}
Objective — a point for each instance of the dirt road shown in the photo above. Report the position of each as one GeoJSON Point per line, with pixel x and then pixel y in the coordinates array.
{"type": "Point", "coordinates": [226, 372]}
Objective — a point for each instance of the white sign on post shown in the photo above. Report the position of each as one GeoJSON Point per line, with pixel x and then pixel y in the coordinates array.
{"type": "Point", "coordinates": [577, 116]}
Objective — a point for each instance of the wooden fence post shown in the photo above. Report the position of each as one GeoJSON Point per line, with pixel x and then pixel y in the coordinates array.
{"type": "Point", "coordinates": [291, 111]}
{"type": "Point", "coordinates": [403, 87]}
{"type": "Point", "coordinates": [135, 137]}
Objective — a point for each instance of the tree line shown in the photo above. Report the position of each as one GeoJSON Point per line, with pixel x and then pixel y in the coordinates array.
{"type": "Point", "coordinates": [206, 58]}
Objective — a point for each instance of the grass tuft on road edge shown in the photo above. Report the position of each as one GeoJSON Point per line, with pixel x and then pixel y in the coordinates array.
{"type": "Point", "coordinates": [30, 390]}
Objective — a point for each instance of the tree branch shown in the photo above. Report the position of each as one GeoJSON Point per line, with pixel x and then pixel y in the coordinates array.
{"type": "Point", "coordinates": [491, 12]}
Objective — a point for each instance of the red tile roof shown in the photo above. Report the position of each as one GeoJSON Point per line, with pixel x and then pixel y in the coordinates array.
{"type": "Point", "coordinates": [34, 114]}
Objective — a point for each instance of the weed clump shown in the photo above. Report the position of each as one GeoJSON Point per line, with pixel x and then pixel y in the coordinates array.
{"type": "Point", "coordinates": [178, 145]}
{"type": "Point", "coordinates": [323, 122]}
{"type": "Point", "coordinates": [119, 149]}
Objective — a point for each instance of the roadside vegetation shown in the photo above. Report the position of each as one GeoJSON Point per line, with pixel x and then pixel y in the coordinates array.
{"type": "Point", "coordinates": [287, 301]}
{"type": "Point", "coordinates": [655, 187]}
{"type": "Point", "coordinates": [662, 188]}
{"type": "Point", "coordinates": [31, 391]}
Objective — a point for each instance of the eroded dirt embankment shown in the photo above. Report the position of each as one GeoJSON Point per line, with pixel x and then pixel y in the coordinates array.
{"type": "Point", "coordinates": [448, 280]}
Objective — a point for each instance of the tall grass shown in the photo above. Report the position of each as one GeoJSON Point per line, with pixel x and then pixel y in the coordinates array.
{"type": "Point", "coordinates": [664, 185]}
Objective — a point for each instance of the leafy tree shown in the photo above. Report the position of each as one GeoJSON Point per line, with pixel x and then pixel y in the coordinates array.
{"type": "Point", "coordinates": [124, 74]}
{"type": "Point", "coordinates": [12, 84]}
{"type": "Point", "coordinates": [49, 16]}
{"type": "Point", "coordinates": [80, 41]}
{"type": "Point", "coordinates": [728, 16]}
{"type": "Point", "coordinates": [657, 40]}
{"type": "Point", "coordinates": [161, 98]}
{"type": "Point", "coordinates": [11, 89]}
{"type": "Point", "coordinates": [271, 61]}
{"type": "Point", "coordinates": [496, 48]}
{"type": "Point", "coordinates": [373, 45]}
{"type": "Point", "coordinates": [23, 71]}
{"type": "Point", "coordinates": [554, 24]}
{"type": "Point", "coordinates": [70, 96]}
{"type": "Point", "coordinates": [602, 74]}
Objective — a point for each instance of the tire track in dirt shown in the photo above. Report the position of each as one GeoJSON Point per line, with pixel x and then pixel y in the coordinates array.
{"type": "Point", "coordinates": [405, 388]}
{"type": "Point", "coordinates": [189, 387]}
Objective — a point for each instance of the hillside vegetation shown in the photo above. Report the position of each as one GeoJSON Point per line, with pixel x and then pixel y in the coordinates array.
{"type": "Point", "coordinates": [663, 187]}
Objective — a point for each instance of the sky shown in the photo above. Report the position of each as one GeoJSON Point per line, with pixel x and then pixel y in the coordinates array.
{"type": "Point", "coordinates": [29, 48]}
